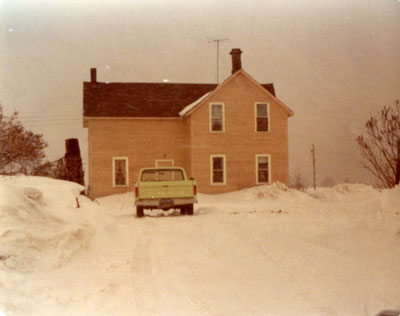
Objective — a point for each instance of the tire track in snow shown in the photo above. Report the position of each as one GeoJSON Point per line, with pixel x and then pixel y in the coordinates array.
{"type": "Point", "coordinates": [145, 293]}
{"type": "Point", "coordinates": [172, 265]}
{"type": "Point", "coordinates": [160, 272]}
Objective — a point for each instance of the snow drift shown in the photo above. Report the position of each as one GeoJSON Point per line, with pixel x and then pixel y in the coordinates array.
{"type": "Point", "coordinates": [38, 217]}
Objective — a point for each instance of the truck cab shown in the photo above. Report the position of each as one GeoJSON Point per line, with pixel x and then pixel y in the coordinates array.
{"type": "Point", "coordinates": [165, 188]}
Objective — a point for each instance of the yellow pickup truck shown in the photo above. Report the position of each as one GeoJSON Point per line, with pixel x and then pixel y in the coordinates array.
{"type": "Point", "coordinates": [164, 188]}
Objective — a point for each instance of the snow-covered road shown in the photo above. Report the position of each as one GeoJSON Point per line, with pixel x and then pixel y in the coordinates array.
{"type": "Point", "coordinates": [209, 267]}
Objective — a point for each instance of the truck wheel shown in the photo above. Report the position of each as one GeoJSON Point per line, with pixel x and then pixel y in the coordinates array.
{"type": "Point", "coordinates": [183, 210]}
{"type": "Point", "coordinates": [139, 211]}
{"type": "Point", "coordinates": [189, 209]}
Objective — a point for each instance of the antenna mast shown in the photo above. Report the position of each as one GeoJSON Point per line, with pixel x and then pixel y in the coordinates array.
{"type": "Point", "coordinates": [217, 41]}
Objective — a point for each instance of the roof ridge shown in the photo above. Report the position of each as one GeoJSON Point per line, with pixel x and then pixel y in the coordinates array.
{"type": "Point", "coordinates": [158, 83]}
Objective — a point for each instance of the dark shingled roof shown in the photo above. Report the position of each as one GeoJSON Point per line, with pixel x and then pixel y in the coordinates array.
{"type": "Point", "coordinates": [142, 99]}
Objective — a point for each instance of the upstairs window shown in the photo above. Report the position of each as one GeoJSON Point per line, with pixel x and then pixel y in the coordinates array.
{"type": "Point", "coordinates": [262, 117]}
{"type": "Point", "coordinates": [217, 117]}
{"type": "Point", "coordinates": [218, 169]}
{"type": "Point", "coordinates": [120, 171]}
{"type": "Point", "coordinates": [263, 169]}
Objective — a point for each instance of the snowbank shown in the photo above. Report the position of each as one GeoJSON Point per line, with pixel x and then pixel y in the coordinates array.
{"type": "Point", "coordinates": [343, 190]}
{"type": "Point", "coordinates": [40, 222]}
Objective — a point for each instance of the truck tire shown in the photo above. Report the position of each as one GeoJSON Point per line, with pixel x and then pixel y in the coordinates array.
{"type": "Point", "coordinates": [139, 211]}
{"type": "Point", "coordinates": [189, 209]}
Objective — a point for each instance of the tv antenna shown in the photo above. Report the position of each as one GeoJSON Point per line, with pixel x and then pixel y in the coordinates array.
{"type": "Point", "coordinates": [218, 41]}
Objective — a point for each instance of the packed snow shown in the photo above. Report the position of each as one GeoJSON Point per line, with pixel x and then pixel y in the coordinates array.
{"type": "Point", "coordinates": [268, 250]}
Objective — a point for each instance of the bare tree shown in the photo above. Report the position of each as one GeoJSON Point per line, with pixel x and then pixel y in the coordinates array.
{"type": "Point", "coordinates": [297, 181]}
{"type": "Point", "coordinates": [21, 151]}
{"type": "Point", "coordinates": [379, 147]}
{"type": "Point", "coordinates": [328, 182]}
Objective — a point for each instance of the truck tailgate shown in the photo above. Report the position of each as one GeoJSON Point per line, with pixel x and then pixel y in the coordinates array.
{"type": "Point", "coordinates": [166, 189]}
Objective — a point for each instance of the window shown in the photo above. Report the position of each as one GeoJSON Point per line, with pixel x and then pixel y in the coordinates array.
{"type": "Point", "coordinates": [217, 117]}
{"type": "Point", "coordinates": [263, 169]}
{"type": "Point", "coordinates": [120, 171]}
{"type": "Point", "coordinates": [262, 117]}
{"type": "Point", "coordinates": [218, 169]}
{"type": "Point", "coordinates": [162, 175]}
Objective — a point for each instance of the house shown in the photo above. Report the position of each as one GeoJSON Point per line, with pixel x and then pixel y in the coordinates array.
{"type": "Point", "coordinates": [227, 136]}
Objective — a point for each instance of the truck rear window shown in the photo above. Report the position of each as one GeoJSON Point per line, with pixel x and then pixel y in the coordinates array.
{"type": "Point", "coordinates": [162, 175]}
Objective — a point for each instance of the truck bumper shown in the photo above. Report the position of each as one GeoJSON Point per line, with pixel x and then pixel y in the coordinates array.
{"type": "Point", "coordinates": [156, 202]}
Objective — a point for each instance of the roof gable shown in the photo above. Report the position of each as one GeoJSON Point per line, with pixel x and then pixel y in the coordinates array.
{"type": "Point", "coordinates": [265, 88]}
{"type": "Point", "coordinates": [283, 105]}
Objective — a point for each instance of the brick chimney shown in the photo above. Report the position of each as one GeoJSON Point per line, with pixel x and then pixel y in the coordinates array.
{"type": "Point", "coordinates": [93, 75]}
{"type": "Point", "coordinates": [236, 61]}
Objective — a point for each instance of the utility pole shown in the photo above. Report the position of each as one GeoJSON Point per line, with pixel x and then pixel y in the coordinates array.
{"type": "Point", "coordinates": [313, 158]}
{"type": "Point", "coordinates": [398, 162]}
{"type": "Point", "coordinates": [218, 41]}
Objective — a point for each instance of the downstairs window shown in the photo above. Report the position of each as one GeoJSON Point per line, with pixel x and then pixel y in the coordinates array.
{"type": "Point", "coordinates": [218, 167]}
{"type": "Point", "coordinates": [120, 171]}
{"type": "Point", "coordinates": [263, 169]}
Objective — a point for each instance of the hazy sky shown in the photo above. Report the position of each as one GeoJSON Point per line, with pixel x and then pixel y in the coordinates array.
{"type": "Point", "coordinates": [333, 62]}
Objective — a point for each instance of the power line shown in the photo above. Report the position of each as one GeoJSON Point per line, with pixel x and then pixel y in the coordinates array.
{"type": "Point", "coordinates": [48, 116]}
{"type": "Point", "coordinates": [52, 123]}
{"type": "Point", "coordinates": [51, 120]}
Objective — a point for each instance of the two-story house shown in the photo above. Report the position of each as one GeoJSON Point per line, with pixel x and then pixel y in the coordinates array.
{"type": "Point", "coordinates": [227, 136]}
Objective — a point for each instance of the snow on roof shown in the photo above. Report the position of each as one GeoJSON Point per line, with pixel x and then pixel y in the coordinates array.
{"type": "Point", "coordinates": [192, 105]}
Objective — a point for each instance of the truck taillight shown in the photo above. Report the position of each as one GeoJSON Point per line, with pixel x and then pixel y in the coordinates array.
{"type": "Point", "coordinates": [195, 189]}
{"type": "Point", "coordinates": [137, 191]}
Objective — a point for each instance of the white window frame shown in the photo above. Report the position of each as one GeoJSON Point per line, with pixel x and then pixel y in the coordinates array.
{"type": "Point", "coordinates": [210, 116]}
{"type": "Point", "coordinates": [269, 168]}
{"type": "Point", "coordinates": [164, 160]}
{"type": "Point", "coordinates": [211, 169]}
{"type": "Point", "coordinates": [268, 117]}
{"type": "Point", "coordinates": [126, 171]}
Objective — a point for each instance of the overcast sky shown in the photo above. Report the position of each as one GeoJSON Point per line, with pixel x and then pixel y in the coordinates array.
{"type": "Point", "coordinates": [333, 62]}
